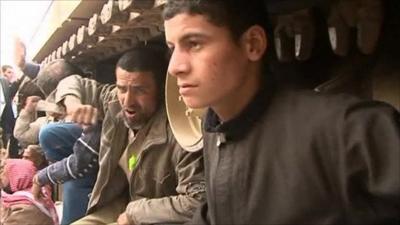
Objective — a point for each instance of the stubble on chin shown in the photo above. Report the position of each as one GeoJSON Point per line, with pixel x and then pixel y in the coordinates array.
{"type": "Point", "coordinates": [133, 125]}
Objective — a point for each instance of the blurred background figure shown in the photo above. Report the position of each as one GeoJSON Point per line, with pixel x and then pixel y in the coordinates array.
{"type": "Point", "coordinates": [9, 73]}
{"type": "Point", "coordinates": [43, 87]}
{"type": "Point", "coordinates": [8, 113]}
{"type": "Point", "coordinates": [29, 69]}
{"type": "Point", "coordinates": [17, 202]}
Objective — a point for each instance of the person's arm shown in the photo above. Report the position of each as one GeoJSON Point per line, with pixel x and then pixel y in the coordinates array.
{"type": "Point", "coordinates": [19, 53]}
{"type": "Point", "coordinates": [27, 125]}
{"type": "Point", "coordinates": [82, 162]}
{"type": "Point", "coordinates": [369, 167]}
{"type": "Point", "coordinates": [28, 68]}
{"type": "Point", "coordinates": [174, 209]}
{"type": "Point", "coordinates": [80, 95]}
{"type": "Point", "coordinates": [200, 217]}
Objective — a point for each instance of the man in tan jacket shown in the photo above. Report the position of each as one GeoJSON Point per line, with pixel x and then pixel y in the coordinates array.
{"type": "Point", "coordinates": [138, 154]}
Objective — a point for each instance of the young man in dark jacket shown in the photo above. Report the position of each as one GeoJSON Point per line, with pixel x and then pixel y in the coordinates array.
{"type": "Point", "coordinates": [274, 157]}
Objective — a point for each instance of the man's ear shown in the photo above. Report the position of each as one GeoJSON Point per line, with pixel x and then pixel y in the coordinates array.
{"type": "Point", "coordinates": [255, 43]}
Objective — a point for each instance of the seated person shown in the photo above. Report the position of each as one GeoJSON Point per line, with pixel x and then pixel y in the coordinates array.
{"type": "Point", "coordinates": [81, 163]}
{"type": "Point", "coordinates": [57, 141]}
{"type": "Point", "coordinates": [17, 202]}
{"type": "Point", "coordinates": [58, 138]}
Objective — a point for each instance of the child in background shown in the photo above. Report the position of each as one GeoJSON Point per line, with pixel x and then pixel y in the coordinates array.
{"type": "Point", "coordinates": [17, 202]}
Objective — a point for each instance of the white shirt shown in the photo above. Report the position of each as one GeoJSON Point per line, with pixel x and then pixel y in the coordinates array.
{"type": "Point", "coordinates": [2, 100]}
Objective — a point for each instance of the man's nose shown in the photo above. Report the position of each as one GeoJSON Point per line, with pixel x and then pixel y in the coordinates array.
{"type": "Point", "coordinates": [129, 98]}
{"type": "Point", "coordinates": [179, 63]}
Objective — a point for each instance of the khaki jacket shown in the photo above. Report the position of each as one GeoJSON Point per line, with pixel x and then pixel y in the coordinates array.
{"type": "Point", "coordinates": [167, 182]}
{"type": "Point", "coordinates": [24, 214]}
{"type": "Point", "coordinates": [28, 124]}
{"type": "Point", "coordinates": [27, 127]}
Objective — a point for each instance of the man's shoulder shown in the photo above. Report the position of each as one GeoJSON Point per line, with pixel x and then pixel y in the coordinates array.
{"type": "Point", "coordinates": [159, 127]}
{"type": "Point", "coordinates": [323, 101]}
{"type": "Point", "coordinates": [308, 103]}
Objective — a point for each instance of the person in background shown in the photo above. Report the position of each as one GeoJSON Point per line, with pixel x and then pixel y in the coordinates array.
{"type": "Point", "coordinates": [7, 118]}
{"type": "Point", "coordinates": [29, 72]}
{"type": "Point", "coordinates": [9, 73]}
{"type": "Point", "coordinates": [29, 123]}
{"type": "Point", "coordinates": [276, 156]}
{"type": "Point", "coordinates": [57, 137]}
{"type": "Point", "coordinates": [17, 202]}
{"type": "Point", "coordinates": [76, 171]}
{"type": "Point", "coordinates": [138, 154]}
{"type": "Point", "coordinates": [13, 79]}
{"type": "Point", "coordinates": [10, 111]}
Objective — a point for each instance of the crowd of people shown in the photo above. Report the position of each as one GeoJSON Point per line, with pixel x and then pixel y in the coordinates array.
{"type": "Point", "coordinates": [270, 155]}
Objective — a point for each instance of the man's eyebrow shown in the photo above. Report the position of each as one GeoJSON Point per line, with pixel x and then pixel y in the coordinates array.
{"type": "Point", "coordinates": [192, 35]}
{"type": "Point", "coordinates": [189, 35]}
{"type": "Point", "coordinates": [121, 87]}
{"type": "Point", "coordinates": [131, 86]}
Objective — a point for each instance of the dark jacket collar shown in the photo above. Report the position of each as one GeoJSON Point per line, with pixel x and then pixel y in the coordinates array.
{"type": "Point", "coordinates": [237, 127]}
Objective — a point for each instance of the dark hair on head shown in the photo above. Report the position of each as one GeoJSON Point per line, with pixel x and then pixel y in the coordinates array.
{"type": "Point", "coordinates": [29, 88]}
{"type": "Point", "coordinates": [49, 76]}
{"type": "Point", "coordinates": [236, 15]}
{"type": "Point", "coordinates": [5, 67]}
{"type": "Point", "coordinates": [147, 58]}
{"type": "Point", "coordinates": [38, 154]}
{"type": "Point", "coordinates": [36, 148]}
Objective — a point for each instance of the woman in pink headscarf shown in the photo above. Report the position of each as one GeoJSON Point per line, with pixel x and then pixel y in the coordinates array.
{"type": "Point", "coordinates": [17, 202]}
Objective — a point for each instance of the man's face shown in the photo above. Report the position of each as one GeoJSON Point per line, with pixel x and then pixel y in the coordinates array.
{"type": "Point", "coordinates": [9, 75]}
{"type": "Point", "coordinates": [210, 67]}
{"type": "Point", "coordinates": [137, 94]}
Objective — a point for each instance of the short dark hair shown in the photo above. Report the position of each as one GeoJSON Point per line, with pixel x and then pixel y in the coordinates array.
{"type": "Point", "coordinates": [28, 88]}
{"type": "Point", "coordinates": [147, 58]}
{"type": "Point", "coordinates": [50, 75]}
{"type": "Point", "coordinates": [236, 15]}
{"type": "Point", "coordinates": [5, 67]}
